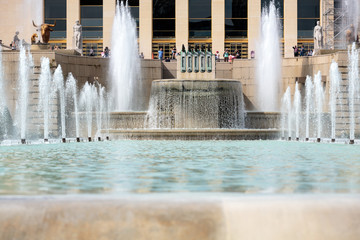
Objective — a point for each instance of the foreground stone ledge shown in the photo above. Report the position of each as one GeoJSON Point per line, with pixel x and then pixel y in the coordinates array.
{"type": "Point", "coordinates": [179, 216]}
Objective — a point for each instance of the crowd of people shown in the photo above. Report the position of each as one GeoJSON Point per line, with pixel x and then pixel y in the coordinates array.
{"type": "Point", "coordinates": [301, 52]}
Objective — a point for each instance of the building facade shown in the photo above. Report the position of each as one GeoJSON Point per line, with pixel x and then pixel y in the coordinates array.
{"type": "Point", "coordinates": [167, 24]}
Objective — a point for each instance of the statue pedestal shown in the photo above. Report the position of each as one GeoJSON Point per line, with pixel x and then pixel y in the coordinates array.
{"type": "Point", "coordinates": [40, 47]}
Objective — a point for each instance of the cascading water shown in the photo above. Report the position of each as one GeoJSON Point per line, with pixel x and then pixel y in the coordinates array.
{"type": "Point", "coordinates": [319, 99]}
{"type": "Point", "coordinates": [297, 110]}
{"type": "Point", "coordinates": [309, 104]}
{"type": "Point", "coordinates": [124, 70]}
{"type": "Point", "coordinates": [71, 95]}
{"type": "Point", "coordinates": [59, 84]}
{"type": "Point", "coordinates": [23, 95]}
{"type": "Point", "coordinates": [353, 73]}
{"type": "Point", "coordinates": [335, 78]}
{"type": "Point", "coordinates": [196, 104]}
{"type": "Point", "coordinates": [45, 94]}
{"type": "Point", "coordinates": [268, 60]}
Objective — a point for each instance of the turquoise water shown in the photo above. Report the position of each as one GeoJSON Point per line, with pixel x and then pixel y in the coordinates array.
{"type": "Point", "coordinates": [117, 167]}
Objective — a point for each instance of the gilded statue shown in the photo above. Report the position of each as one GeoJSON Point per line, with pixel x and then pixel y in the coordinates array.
{"type": "Point", "coordinates": [45, 31]}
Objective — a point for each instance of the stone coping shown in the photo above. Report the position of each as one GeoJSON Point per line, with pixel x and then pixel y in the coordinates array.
{"type": "Point", "coordinates": [197, 80]}
{"type": "Point", "coordinates": [193, 134]}
{"type": "Point", "coordinates": [181, 216]}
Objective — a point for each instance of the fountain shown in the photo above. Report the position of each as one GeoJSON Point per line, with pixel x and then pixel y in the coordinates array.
{"type": "Point", "coordinates": [268, 60]}
{"type": "Point", "coordinates": [287, 112]}
{"type": "Point", "coordinates": [309, 105]}
{"type": "Point", "coordinates": [319, 99]}
{"type": "Point", "coordinates": [335, 78]}
{"type": "Point", "coordinates": [45, 90]}
{"type": "Point", "coordinates": [59, 87]}
{"type": "Point", "coordinates": [24, 68]}
{"type": "Point", "coordinates": [353, 87]}
{"type": "Point", "coordinates": [71, 96]}
{"type": "Point", "coordinates": [297, 110]}
{"type": "Point", "coordinates": [124, 66]}
{"type": "Point", "coordinates": [3, 109]}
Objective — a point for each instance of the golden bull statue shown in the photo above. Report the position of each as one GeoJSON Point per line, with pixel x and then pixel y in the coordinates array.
{"type": "Point", "coordinates": [45, 31]}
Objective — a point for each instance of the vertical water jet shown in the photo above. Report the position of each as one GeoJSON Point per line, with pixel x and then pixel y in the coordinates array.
{"type": "Point", "coordinates": [268, 60]}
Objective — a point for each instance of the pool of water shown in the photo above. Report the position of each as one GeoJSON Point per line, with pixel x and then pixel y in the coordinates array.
{"type": "Point", "coordinates": [118, 167]}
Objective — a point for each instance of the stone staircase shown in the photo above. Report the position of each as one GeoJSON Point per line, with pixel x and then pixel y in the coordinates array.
{"type": "Point", "coordinates": [343, 110]}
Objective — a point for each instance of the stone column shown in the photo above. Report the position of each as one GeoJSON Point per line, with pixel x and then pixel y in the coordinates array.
{"type": "Point", "coordinates": [218, 25]}
{"type": "Point", "coordinates": [145, 25]}
{"type": "Point", "coordinates": [72, 14]}
{"type": "Point", "coordinates": [108, 18]}
{"type": "Point", "coordinates": [254, 21]}
{"type": "Point", "coordinates": [181, 23]}
{"type": "Point", "coordinates": [290, 27]}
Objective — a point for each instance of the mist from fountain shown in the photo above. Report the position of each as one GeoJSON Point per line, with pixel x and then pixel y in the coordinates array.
{"type": "Point", "coordinates": [124, 68]}
{"type": "Point", "coordinates": [353, 73]}
{"type": "Point", "coordinates": [308, 104]}
{"type": "Point", "coordinates": [297, 110]}
{"type": "Point", "coordinates": [23, 91]}
{"type": "Point", "coordinates": [59, 87]}
{"type": "Point", "coordinates": [335, 79]}
{"type": "Point", "coordinates": [71, 96]}
{"type": "Point", "coordinates": [268, 60]}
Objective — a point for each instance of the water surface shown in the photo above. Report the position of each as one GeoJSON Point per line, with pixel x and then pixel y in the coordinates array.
{"type": "Point", "coordinates": [118, 167]}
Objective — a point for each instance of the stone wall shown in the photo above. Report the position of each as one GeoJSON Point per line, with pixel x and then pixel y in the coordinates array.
{"type": "Point", "coordinates": [293, 69]}
{"type": "Point", "coordinates": [96, 69]}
